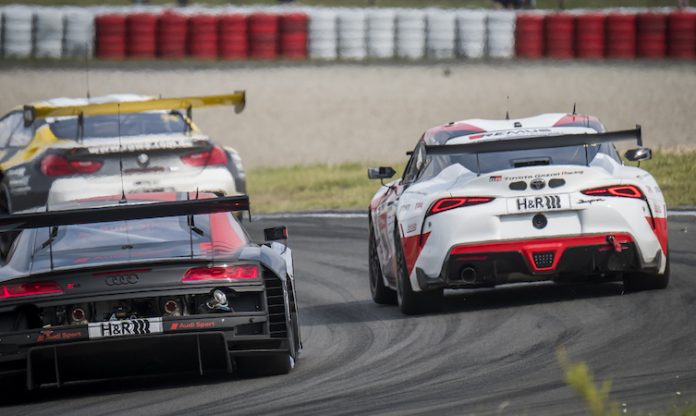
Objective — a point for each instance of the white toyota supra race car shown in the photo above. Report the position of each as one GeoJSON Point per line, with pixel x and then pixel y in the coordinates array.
{"type": "Point", "coordinates": [488, 202]}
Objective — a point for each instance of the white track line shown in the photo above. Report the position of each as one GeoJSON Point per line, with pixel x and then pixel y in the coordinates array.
{"type": "Point", "coordinates": [343, 215]}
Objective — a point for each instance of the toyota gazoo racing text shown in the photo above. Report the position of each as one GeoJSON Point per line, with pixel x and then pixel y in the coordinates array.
{"type": "Point", "coordinates": [488, 202]}
{"type": "Point", "coordinates": [160, 282]}
{"type": "Point", "coordinates": [68, 148]}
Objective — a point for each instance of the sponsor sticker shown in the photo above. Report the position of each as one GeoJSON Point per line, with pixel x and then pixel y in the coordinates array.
{"type": "Point", "coordinates": [539, 203]}
{"type": "Point", "coordinates": [496, 178]}
{"type": "Point", "coordinates": [125, 328]}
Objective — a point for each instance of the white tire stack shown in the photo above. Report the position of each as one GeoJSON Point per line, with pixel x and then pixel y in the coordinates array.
{"type": "Point", "coordinates": [48, 33]}
{"type": "Point", "coordinates": [410, 34]}
{"type": "Point", "coordinates": [17, 31]}
{"type": "Point", "coordinates": [381, 26]}
{"type": "Point", "coordinates": [501, 34]}
{"type": "Point", "coordinates": [322, 34]}
{"type": "Point", "coordinates": [79, 34]}
{"type": "Point", "coordinates": [352, 34]}
{"type": "Point", "coordinates": [471, 33]}
{"type": "Point", "coordinates": [441, 32]}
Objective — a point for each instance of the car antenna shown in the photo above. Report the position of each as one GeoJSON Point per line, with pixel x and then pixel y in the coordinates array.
{"type": "Point", "coordinates": [574, 112]}
{"type": "Point", "coordinates": [507, 109]}
{"type": "Point", "coordinates": [52, 233]}
{"type": "Point", "coordinates": [120, 155]}
{"type": "Point", "coordinates": [87, 70]}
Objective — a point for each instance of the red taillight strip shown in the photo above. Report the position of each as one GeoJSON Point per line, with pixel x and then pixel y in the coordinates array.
{"type": "Point", "coordinates": [215, 156]}
{"type": "Point", "coordinates": [625, 191]}
{"type": "Point", "coordinates": [446, 204]}
{"type": "Point", "coordinates": [222, 273]}
{"type": "Point", "coordinates": [28, 289]}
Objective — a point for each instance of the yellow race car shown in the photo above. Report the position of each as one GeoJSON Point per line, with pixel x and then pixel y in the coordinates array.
{"type": "Point", "coordinates": [67, 149]}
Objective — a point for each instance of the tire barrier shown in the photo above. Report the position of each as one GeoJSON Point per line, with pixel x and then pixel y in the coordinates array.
{"type": "Point", "coordinates": [501, 34]}
{"type": "Point", "coordinates": [110, 36]}
{"type": "Point", "coordinates": [78, 40]}
{"type": "Point", "coordinates": [233, 42]}
{"type": "Point", "coordinates": [529, 35]}
{"type": "Point", "coordinates": [147, 32]}
{"type": "Point", "coordinates": [681, 35]}
{"type": "Point", "coordinates": [352, 35]}
{"type": "Point", "coordinates": [263, 36]}
{"type": "Point", "coordinates": [441, 34]}
{"type": "Point", "coordinates": [293, 35]}
{"type": "Point", "coordinates": [559, 32]}
{"type": "Point", "coordinates": [410, 34]}
{"type": "Point", "coordinates": [141, 35]}
{"type": "Point", "coordinates": [17, 32]}
{"type": "Point", "coordinates": [48, 33]}
{"type": "Point", "coordinates": [172, 31]}
{"type": "Point", "coordinates": [203, 36]}
{"type": "Point", "coordinates": [323, 39]}
{"type": "Point", "coordinates": [471, 33]}
{"type": "Point", "coordinates": [589, 36]}
{"type": "Point", "coordinates": [621, 36]}
{"type": "Point", "coordinates": [381, 33]}
{"type": "Point", "coordinates": [651, 35]}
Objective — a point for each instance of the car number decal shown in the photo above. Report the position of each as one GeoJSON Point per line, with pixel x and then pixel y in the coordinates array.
{"type": "Point", "coordinates": [538, 203]}
{"type": "Point", "coordinates": [125, 327]}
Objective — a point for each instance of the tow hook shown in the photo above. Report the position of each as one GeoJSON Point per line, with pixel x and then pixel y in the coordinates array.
{"type": "Point", "coordinates": [617, 246]}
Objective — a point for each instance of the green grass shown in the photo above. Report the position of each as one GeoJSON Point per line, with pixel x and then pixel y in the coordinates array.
{"type": "Point", "coordinates": [346, 187]}
{"type": "Point", "coordinates": [541, 4]}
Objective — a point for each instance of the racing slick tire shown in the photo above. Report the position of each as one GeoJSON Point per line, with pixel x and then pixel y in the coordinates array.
{"type": "Point", "coordinates": [266, 365]}
{"type": "Point", "coordinates": [411, 302]}
{"type": "Point", "coordinates": [380, 292]}
{"type": "Point", "coordinates": [637, 281]}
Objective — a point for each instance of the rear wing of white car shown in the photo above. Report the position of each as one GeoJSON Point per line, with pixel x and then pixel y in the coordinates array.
{"type": "Point", "coordinates": [537, 142]}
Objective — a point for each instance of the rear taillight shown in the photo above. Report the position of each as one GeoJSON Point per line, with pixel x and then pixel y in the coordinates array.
{"type": "Point", "coordinates": [445, 204]}
{"type": "Point", "coordinates": [216, 156]}
{"type": "Point", "coordinates": [28, 289]}
{"type": "Point", "coordinates": [56, 165]}
{"type": "Point", "coordinates": [222, 273]}
{"type": "Point", "coordinates": [626, 191]}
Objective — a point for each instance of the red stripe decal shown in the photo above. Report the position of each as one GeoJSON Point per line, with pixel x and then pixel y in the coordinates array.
{"type": "Point", "coordinates": [413, 246]}
{"type": "Point", "coordinates": [660, 230]}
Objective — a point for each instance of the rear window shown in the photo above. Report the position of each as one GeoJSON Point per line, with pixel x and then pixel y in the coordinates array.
{"type": "Point", "coordinates": [113, 125]}
{"type": "Point", "coordinates": [136, 240]}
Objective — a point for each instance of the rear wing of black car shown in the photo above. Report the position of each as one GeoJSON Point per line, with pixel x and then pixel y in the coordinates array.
{"type": "Point", "coordinates": [123, 211]}
{"type": "Point", "coordinates": [537, 142]}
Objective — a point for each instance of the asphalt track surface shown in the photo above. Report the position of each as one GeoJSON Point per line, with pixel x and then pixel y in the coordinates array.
{"type": "Point", "coordinates": [488, 352]}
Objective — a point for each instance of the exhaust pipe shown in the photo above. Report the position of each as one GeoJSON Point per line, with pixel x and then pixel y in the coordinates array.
{"type": "Point", "coordinates": [468, 274]}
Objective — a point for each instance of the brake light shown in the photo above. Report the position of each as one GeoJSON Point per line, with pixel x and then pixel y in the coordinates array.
{"type": "Point", "coordinates": [56, 165]}
{"type": "Point", "coordinates": [28, 289]}
{"type": "Point", "coordinates": [216, 156]}
{"type": "Point", "coordinates": [446, 204]}
{"type": "Point", "coordinates": [223, 273]}
{"type": "Point", "coordinates": [626, 191]}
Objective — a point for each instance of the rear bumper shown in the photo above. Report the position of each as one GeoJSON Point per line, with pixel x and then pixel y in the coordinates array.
{"type": "Point", "coordinates": [199, 345]}
{"type": "Point", "coordinates": [559, 258]}
{"type": "Point", "coordinates": [216, 180]}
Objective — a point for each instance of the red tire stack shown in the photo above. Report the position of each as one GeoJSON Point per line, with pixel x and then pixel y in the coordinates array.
{"type": "Point", "coordinates": [293, 35]}
{"type": "Point", "coordinates": [232, 39]}
{"type": "Point", "coordinates": [652, 35]}
{"type": "Point", "coordinates": [682, 35]}
{"type": "Point", "coordinates": [529, 35]}
{"type": "Point", "coordinates": [171, 35]}
{"type": "Point", "coordinates": [621, 36]}
{"type": "Point", "coordinates": [263, 36]}
{"type": "Point", "coordinates": [110, 36]}
{"type": "Point", "coordinates": [203, 36]}
{"type": "Point", "coordinates": [559, 32]}
{"type": "Point", "coordinates": [141, 35]}
{"type": "Point", "coordinates": [589, 36]}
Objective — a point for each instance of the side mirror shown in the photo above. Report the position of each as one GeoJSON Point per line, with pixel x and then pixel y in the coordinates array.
{"type": "Point", "coordinates": [275, 233]}
{"type": "Point", "coordinates": [639, 154]}
{"type": "Point", "coordinates": [382, 172]}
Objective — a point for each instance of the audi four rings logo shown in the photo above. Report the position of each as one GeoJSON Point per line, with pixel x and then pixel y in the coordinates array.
{"type": "Point", "coordinates": [537, 183]}
{"type": "Point", "coordinates": [122, 279]}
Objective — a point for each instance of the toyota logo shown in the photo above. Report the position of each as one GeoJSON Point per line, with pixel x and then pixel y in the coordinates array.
{"type": "Point", "coordinates": [122, 279]}
{"type": "Point", "coordinates": [537, 184]}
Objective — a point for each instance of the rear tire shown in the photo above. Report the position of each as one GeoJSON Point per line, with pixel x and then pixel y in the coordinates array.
{"type": "Point", "coordinates": [263, 366]}
{"type": "Point", "coordinates": [380, 292]}
{"type": "Point", "coordinates": [411, 302]}
{"type": "Point", "coordinates": [637, 281]}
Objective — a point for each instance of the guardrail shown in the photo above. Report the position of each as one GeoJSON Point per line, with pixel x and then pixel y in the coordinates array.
{"type": "Point", "coordinates": [345, 34]}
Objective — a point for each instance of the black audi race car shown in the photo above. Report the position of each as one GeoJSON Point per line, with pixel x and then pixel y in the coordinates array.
{"type": "Point", "coordinates": [155, 283]}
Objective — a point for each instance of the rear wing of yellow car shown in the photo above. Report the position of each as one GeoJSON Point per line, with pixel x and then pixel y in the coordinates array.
{"type": "Point", "coordinates": [39, 111]}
